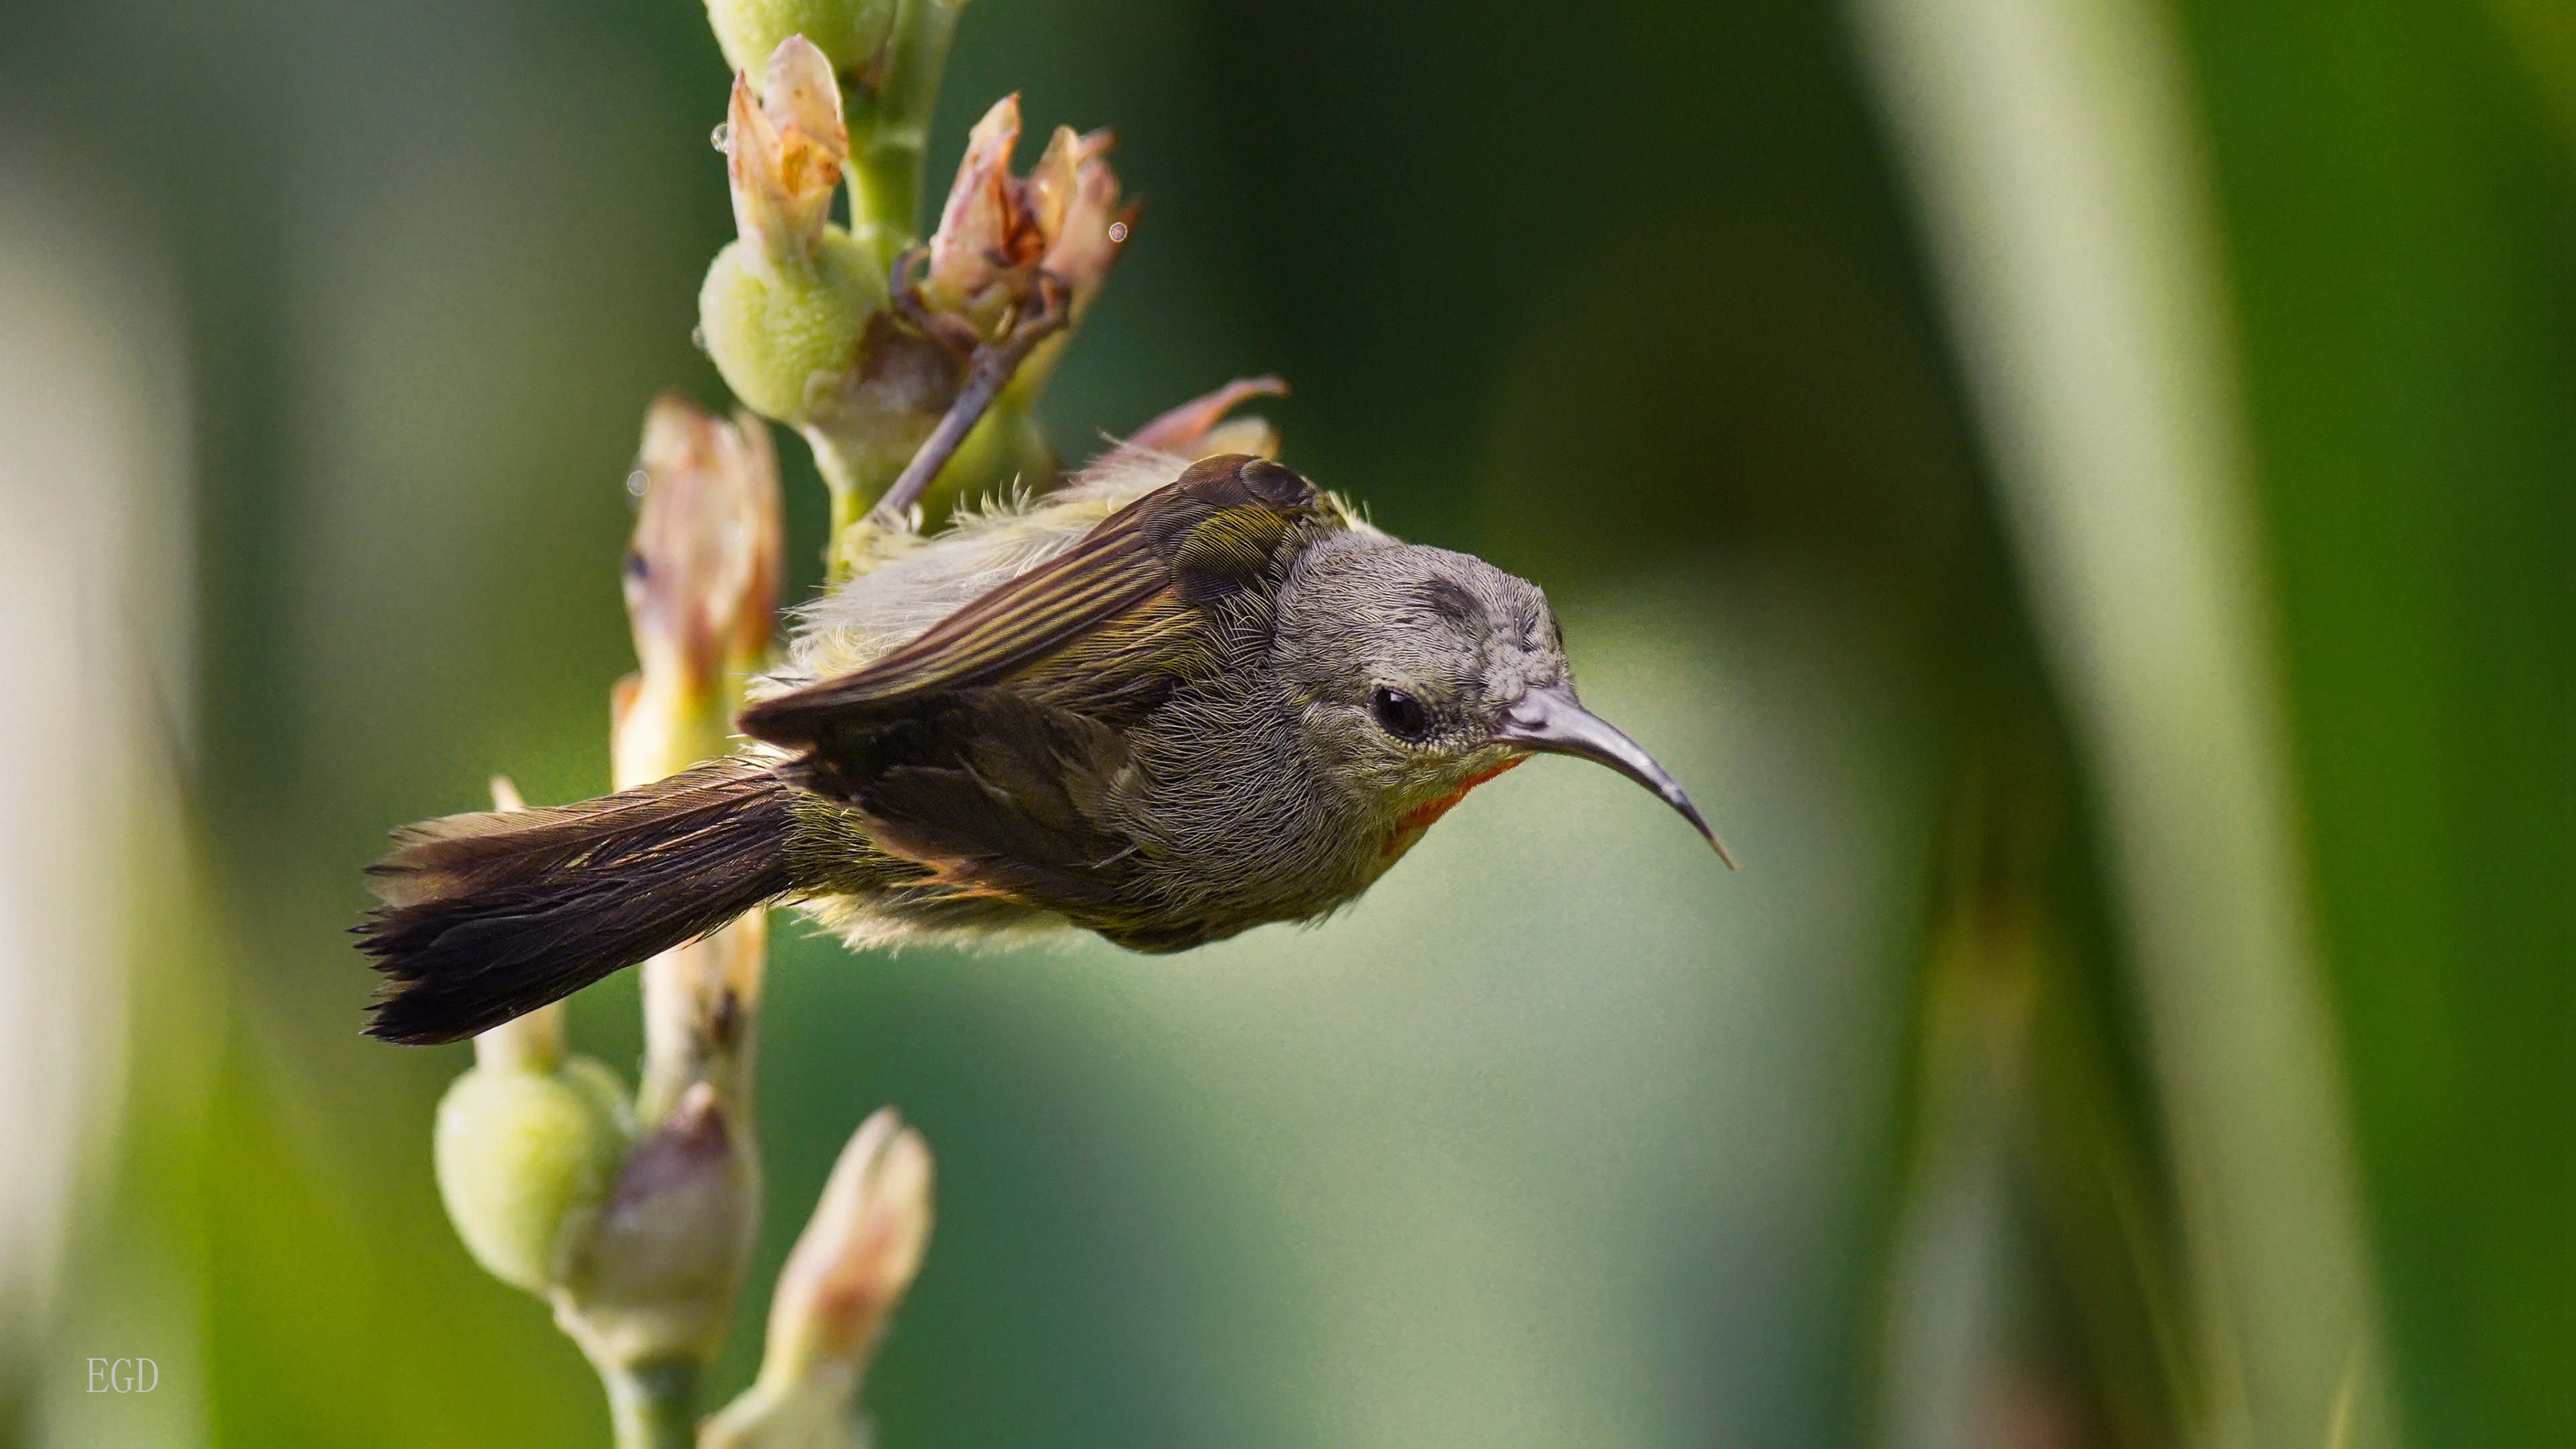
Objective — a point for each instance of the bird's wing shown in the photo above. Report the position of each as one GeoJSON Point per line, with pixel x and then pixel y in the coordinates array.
{"type": "Point", "coordinates": [986, 750]}
{"type": "Point", "coordinates": [1141, 579]}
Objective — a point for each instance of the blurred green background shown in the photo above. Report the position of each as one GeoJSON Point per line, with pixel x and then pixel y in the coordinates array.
{"type": "Point", "coordinates": [1562, 1135]}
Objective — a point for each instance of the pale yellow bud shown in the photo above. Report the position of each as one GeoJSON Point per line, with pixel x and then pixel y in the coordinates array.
{"type": "Point", "coordinates": [1089, 227]}
{"type": "Point", "coordinates": [997, 230]}
{"type": "Point", "coordinates": [850, 1268]}
{"type": "Point", "coordinates": [858, 1253]}
{"type": "Point", "coordinates": [702, 570]}
{"type": "Point", "coordinates": [783, 152]}
{"type": "Point", "coordinates": [789, 1417]}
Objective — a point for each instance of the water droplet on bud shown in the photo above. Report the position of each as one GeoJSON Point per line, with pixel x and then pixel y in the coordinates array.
{"type": "Point", "coordinates": [637, 482]}
{"type": "Point", "coordinates": [722, 137]}
{"type": "Point", "coordinates": [698, 338]}
{"type": "Point", "coordinates": [1118, 231]}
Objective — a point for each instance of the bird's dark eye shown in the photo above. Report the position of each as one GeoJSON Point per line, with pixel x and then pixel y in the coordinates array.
{"type": "Point", "coordinates": [1399, 713]}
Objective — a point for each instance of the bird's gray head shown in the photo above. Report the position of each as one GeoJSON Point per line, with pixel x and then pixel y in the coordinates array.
{"type": "Point", "coordinates": [1420, 673]}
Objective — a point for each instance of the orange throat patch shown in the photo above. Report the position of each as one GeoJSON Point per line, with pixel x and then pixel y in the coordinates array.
{"type": "Point", "coordinates": [1420, 818]}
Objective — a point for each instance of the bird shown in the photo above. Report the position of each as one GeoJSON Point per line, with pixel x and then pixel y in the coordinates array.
{"type": "Point", "coordinates": [1164, 703]}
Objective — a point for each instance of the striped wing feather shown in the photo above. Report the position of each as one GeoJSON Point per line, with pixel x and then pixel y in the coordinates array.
{"type": "Point", "coordinates": [986, 748]}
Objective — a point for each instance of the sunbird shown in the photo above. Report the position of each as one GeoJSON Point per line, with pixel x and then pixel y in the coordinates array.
{"type": "Point", "coordinates": [1166, 703]}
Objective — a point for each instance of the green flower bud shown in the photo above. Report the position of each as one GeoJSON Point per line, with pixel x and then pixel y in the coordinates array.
{"type": "Point", "coordinates": [603, 1091]}
{"type": "Point", "coordinates": [653, 1279]}
{"type": "Point", "coordinates": [849, 32]}
{"type": "Point", "coordinates": [784, 335]}
{"type": "Point", "coordinates": [783, 308]}
{"type": "Point", "coordinates": [526, 1158]}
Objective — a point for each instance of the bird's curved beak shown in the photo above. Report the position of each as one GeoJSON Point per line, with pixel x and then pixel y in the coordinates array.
{"type": "Point", "coordinates": [1550, 719]}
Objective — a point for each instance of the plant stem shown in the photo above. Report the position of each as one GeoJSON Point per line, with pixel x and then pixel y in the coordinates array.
{"type": "Point", "coordinates": [986, 377]}
{"type": "Point", "coordinates": [648, 1291]}
{"type": "Point", "coordinates": [654, 1405]}
{"type": "Point", "coordinates": [846, 505]}
{"type": "Point", "coordinates": [696, 996]}
{"type": "Point", "coordinates": [889, 128]}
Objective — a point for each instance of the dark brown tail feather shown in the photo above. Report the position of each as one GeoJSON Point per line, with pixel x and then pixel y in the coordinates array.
{"type": "Point", "coordinates": [489, 916]}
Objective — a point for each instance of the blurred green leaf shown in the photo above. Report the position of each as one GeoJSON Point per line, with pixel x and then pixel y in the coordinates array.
{"type": "Point", "coordinates": [2398, 214]}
